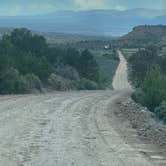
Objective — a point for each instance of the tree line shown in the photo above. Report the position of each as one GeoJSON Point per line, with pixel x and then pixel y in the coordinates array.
{"type": "Point", "coordinates": [148, 74]}
{"type": "Point", "coordinates": [28, 63]}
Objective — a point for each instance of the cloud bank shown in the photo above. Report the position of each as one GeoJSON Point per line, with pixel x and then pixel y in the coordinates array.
{"type": "Point", "coordinates": [33, 7]}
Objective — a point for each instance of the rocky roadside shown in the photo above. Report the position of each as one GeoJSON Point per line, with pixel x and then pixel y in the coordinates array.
{"type": "Point", "coordinates": [143, 121]}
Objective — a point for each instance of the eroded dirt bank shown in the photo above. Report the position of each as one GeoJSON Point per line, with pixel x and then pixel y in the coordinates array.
{"type": "Point", "coordinates": [148, 128]}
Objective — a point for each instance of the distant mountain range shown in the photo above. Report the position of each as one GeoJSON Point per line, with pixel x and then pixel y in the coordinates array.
{"type": "Point", "coordinates": [92, 22]}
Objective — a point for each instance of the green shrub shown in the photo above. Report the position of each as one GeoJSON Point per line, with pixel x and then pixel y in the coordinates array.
{"type": "Point", "coordinates": [67, 72]}
{"type": "Point", "coordinates": [139, 96]}
{"type": "Point", "coordinates": [59, 83]}
{"type": "Point", "coordinates": [31, 82]}
{"type": "Point", "coordinates": [161, 111]}
{"type": "Point", "coordinates": [152, 90]}
{"type": "Point", "coordinates": [86, 84]}
{"type": "Point", "coordinates": [88, 67]}
{"type": "Point", "coordinates": [10, 82]}
{"type": "Point", "coordinates": [154, 87]}
{"type": "Point", "coordinates": [140, 63]}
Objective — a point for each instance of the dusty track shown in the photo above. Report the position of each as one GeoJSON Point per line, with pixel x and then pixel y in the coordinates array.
{"type": "Point", "coordinates": [67, 129]}
{"type": "Point", "coordinates": [120, 80]}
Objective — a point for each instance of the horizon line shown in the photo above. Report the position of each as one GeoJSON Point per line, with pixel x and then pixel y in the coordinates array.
{"type": "Point", "coordinates": [79, 10]}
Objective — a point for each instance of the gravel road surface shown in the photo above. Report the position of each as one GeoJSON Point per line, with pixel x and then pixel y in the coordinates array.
{"type": "Point", "coordinates": [68, 129]}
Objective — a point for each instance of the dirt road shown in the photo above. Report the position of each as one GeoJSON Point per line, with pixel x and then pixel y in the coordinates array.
{"type": "Point", "coordinates": [68, 129]}
{"type": "Point", "coordinates": [120, 80]}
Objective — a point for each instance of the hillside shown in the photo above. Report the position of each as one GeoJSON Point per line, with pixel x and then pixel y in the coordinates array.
{"type": "Point", "coordinates": [146, 34]}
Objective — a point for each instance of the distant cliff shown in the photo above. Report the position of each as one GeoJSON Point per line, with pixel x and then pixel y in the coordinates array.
{"type": "Point", "coordinates": [146, 34]}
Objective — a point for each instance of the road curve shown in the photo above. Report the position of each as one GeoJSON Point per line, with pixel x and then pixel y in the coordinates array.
{"type": "Point", "coordinates": [66, 129]}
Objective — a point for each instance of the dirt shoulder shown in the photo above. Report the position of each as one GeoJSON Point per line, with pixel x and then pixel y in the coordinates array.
{"type": "Point", "coordinates": [148, 129]}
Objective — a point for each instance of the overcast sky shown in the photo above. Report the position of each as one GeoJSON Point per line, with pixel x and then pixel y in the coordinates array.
{"type": "Point", "coordinates": [33, 7]}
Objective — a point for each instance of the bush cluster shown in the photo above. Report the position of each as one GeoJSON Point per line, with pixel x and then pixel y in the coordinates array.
{"type": "Point", "coordinates": [148, 75]}
{"type": "Point", "coordinates": [28, 63]}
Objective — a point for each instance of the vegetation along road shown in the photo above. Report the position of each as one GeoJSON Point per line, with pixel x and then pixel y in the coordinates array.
{"type": "Point", "coordinates": [76, 128]}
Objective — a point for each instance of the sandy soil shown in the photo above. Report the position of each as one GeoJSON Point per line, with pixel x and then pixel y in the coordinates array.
{"type": "Point", "coordinates": [69, 129]}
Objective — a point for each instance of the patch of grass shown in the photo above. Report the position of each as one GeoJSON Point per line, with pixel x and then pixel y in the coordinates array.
{"type": "Point", "coordinates": [108, 61]}
{"type": "Point", "coordinates": [129, 52]}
